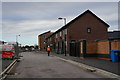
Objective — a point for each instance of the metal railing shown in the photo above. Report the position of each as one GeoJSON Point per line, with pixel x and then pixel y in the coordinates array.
{"type": "Point", "coordinates": [4, 74]}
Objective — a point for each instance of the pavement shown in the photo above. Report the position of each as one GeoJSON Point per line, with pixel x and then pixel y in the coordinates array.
{"type": "Point", "coordinates": [39, 65]}
{"type": "Point", "coordinates": [112, 67]}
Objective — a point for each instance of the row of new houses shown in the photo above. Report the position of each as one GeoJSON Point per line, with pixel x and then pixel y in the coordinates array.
{"type": "Point", "coordinates": [86, 26]}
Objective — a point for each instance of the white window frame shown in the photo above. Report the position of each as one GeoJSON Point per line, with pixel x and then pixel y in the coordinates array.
{"type": "Point", "coordinates": [88, 30]}
{"type": "Point", "coordinates": [44, 42]}
{"type": "Point", "coordinates": [65, 31]}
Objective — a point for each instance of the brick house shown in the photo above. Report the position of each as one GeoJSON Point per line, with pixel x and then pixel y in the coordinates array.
{"type": "Point", "coordinates": [86, 26]}
{"type": "Point", "coordinates": [51, 42]}
{"type": "Point", "coordinates": [42, 40]}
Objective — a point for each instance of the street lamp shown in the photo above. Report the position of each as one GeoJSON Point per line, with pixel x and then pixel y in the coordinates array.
{"type": "Point", "coordinates": [17, 46]}
{"type": "Point", "coordinates": [63, 19]}
{"type": "Point", "coordinates": [64, 24]}
{"type": "Point", "coordinates": [17, 38]}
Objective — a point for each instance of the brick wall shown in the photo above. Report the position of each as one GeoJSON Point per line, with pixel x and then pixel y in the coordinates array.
{"type": "Point", "coordinates": [103, 47]}
{"type": "Point", "coordinates": [90, 48]}
{"type": "Point", "coordinates": [100, 49]}
{"type": "Point", "coordinates": [115, 45]}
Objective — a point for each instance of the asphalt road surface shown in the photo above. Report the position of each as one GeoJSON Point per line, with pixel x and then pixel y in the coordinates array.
{"type": "Point", "coordinates": [39, 65]}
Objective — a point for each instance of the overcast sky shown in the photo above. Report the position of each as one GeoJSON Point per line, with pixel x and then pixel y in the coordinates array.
{"type": "Point", "coordinates": [29, 19]}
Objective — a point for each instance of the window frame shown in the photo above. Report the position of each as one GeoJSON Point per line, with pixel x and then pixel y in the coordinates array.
{"type": "Point", "coordinates": [89, 30]}
{"type": "Point", "coordinates": [60, 33]}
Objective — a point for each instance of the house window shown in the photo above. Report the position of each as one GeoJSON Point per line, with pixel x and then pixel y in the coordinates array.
{"type": "Point", "coordinates": [88, 30]}
{"type": "Point", "coordinates": [44, 37]}
{"type": "Point", "coordinates": [60, 34]}
{"type": "Point", "coordinates": [44, 42]}
{"type": "Point", "coordinates": [65, 31]}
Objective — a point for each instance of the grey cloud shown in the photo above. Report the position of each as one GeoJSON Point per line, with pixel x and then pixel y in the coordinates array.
{"type": "Point", "coordinates": [17, 15]}
{"type": "Point", "coordinates": [23, 11]}
{"type": "Point", "coordinates": [47, 11]}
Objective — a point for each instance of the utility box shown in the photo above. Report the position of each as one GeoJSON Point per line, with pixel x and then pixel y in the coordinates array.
{"type": "Point", "coordinates": [115, 55]}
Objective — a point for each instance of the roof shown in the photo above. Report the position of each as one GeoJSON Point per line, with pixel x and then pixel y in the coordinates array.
{"type": "Point", "coordinates": [44, 33]}
{"type": "Point", "coordinates": [114, 35]}
{"type": "Point", "coordinates": [88, 11]}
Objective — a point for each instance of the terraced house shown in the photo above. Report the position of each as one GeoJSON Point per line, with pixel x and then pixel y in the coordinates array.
{"type": "Point", "coordinates": [86, 26]}
{"type": "Point", "coordinates": [42, 44]}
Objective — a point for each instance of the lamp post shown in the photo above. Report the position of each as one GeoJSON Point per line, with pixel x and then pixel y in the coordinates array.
{"type": "Point", "coordinates": [17, 38]}
{"type": "Point", "coordinates": [64, 41]}
{"type": "Point", "coordinates": [17, 46]}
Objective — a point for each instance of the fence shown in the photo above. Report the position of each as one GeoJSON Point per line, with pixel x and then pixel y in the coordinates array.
{"type": "Point", "coordinates": [93, 49]}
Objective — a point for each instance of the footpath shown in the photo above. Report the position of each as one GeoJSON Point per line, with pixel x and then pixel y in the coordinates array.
{"type": "Point", "coordinates": [112, 67]}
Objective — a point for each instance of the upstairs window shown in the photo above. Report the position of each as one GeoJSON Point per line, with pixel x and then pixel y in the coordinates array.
{"type": "Point", "coordinates": [65, 31]}
{"type": "Point", "coordinates": [60, 34]}
{"type": "Point", "coordinates": [45, 37]}
{"type": "Point", "coordinates": [88, 30]}
{"type": "Point", "coordinates": [44, 42]}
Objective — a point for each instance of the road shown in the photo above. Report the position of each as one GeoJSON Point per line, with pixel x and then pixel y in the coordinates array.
{"type": "Point", "coordinates": [39, 65]}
